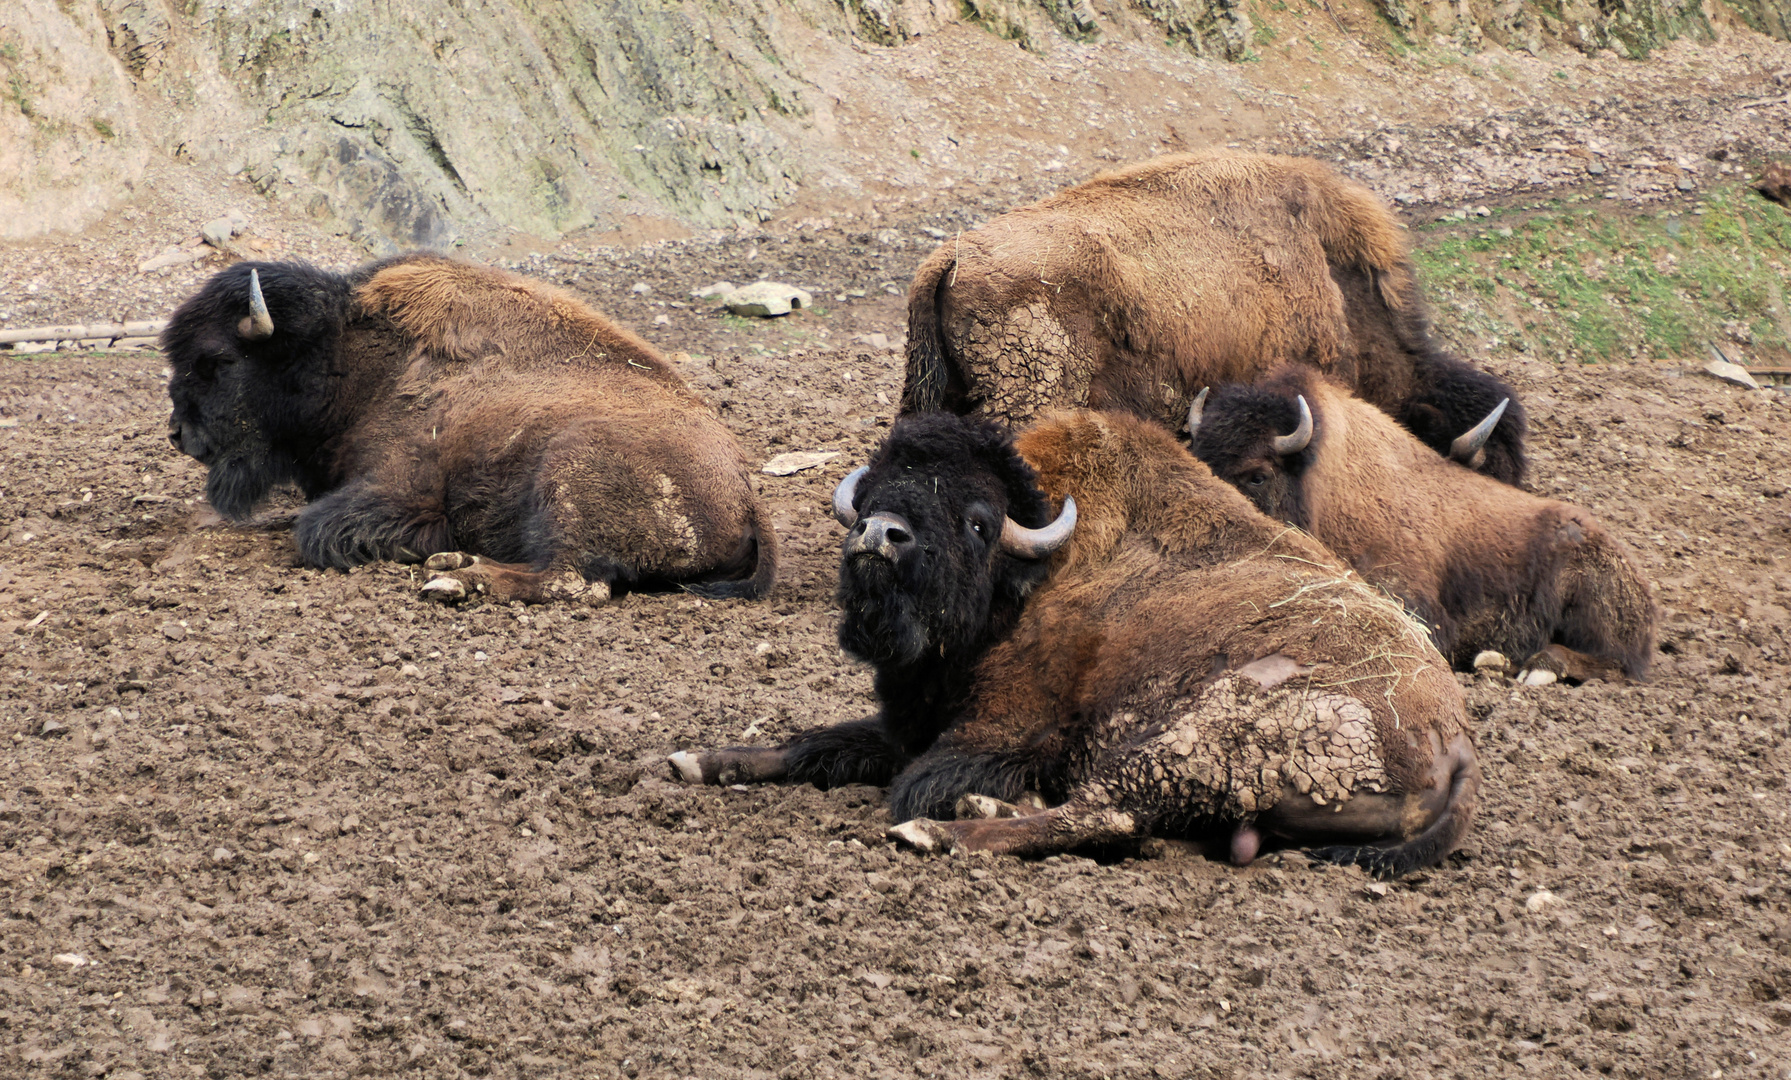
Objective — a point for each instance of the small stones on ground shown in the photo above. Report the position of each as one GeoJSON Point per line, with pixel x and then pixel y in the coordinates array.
{"type": "Point", "coordinates": [173, 631]}
{"type": "Point", "coordinates": [641, 288]}
{"type": "Point", "coordinates": [1595, 168]}
{"type": "Point", "coordinates": [410, 671]}
{"type": "Point", "coordinates": [1541, 900]}
{"type": "Point", "coordinates": [74, 960]}
{"type": "Point", "coordinates": [223, 856]}
{"type": "Point", "coordinates": [767, 299]}
{"type": "Point", "coordinates": [796, 461]}
{"type": "Point", "coordinates": [662, 320]}
{"type": "Point", "coordinates": [713, 293]}
{"type": "Point", "coordinates": [52, 729]}
{"type": "Point", "coordinates": [1687, 184]}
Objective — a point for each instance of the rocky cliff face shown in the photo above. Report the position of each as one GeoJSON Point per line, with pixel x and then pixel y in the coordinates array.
{"type": "Point", "coordinates": [415, 120]}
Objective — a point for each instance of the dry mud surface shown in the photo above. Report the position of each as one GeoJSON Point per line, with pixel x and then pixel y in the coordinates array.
{"type": "Point", "coordinates": [261, 820]}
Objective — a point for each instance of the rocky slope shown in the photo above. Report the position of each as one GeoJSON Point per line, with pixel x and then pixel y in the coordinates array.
{"type": "Point", "coordinates": [425, 124]}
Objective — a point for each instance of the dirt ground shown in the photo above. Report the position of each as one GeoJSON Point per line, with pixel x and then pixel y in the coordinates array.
{"type": "Point", "coordinates": [266, 820]}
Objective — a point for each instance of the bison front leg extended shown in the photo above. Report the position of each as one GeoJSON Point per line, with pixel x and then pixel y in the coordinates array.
{"type": "Point", "coordinates": [460, 575]}
{"type": "Point", "coordinates": [1016, 830]}
{"type": "Point", "coordinates": [856, 752]}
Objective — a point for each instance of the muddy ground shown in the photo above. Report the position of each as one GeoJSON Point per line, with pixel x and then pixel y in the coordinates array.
{"type": "Point", "coordinates": [262, 820]}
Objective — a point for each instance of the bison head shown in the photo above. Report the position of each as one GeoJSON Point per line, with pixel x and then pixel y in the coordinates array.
{"type": "Point", "coordinates": [251, 357]}
{"type": "Point", "coordinates": [948, 534]}
{"type": "Point", "coordinates": [1259, 440]}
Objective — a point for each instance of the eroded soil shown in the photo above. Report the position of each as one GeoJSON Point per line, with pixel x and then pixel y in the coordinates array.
{"type": "Point", "coordinates": [265, 820]}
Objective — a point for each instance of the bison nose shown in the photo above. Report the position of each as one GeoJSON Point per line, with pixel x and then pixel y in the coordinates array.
{"type": "Point", "coordinates": [174, 433]}
{"type": "Point", "coordinates": [885, 534]}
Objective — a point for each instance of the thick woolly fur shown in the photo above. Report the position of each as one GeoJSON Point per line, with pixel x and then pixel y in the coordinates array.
{"type": "Point", "coordinates": [1486, 566]}
{"type": "Point", "coordinates": [1137, 289]}
{"type": "Point", "coordinates": [1184, 666]}
{"type": "Point", "coordinates": [428, 405]}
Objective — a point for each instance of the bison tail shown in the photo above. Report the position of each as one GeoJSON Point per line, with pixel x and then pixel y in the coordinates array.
{"type": "Point", "coordinates": [1427, 848]}
{"type": "Point", "coordinates": [762, 542]}
{"type": "Point", "coordinates": [927, 386]}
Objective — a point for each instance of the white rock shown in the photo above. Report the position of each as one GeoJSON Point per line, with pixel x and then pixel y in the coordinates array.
{"type": "Point", "coordinates": [73, 960]}
{"type": "Point", "coordinates": [1541, 900]}
{"type": "Point", "coordinates": [218, 231]}
{"type": "Point", "coordinates": [797, 460]}
{"type": "Point", "coordinates": [714, 292]}
{"type": "Point", "coordinates": [767, 299]}
{"type": "Point", "coordinates": [641, 288]}
{"type": "Point", "coordinates": [1731, 373]}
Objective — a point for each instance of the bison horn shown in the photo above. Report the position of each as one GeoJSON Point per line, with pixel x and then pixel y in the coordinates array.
{"type": "Point", "coordinates": [1023, 543]}
{"type": "Point", "coordinates": [1195, 410]}
{"type": "Point", "coordinates": [843, 496]}
{"type": "Point", "coordinates": [1302, 435]}
{"type": "Point", "coordinates": [1468, 444]}
{"type": "Point", "coordinates": [260, 323]}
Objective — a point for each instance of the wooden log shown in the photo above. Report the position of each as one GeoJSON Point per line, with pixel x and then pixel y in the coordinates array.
{"type": "Point", "coordinates": [79, 331]}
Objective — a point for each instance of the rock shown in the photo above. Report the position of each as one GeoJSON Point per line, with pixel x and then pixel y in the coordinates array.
{"type": "Point", "coordinates": [1595, 168]}
{"type": "Point", "coordinates": [767, 299]}
{"type": "Point", "coordinates": [52, 729]}
{"type": "Point", "coordinates": [641, 288]}
{"type": "Point", "coordinates": [1481, 211]}
{"type": "Point", "coordinates": [174, 256]}
{"type": "Point", "coordinates": [1541, 900]}
{"type": "Point", "coordinates": [714, 293]}
{"type": "Point", "coordinates": [1731, 373]}
{"type": "Point", "coordinates": [796, 461]}
{"type": "Point", "coordinates": [880, 342]}
{"type": "Point", "coordinates": [73, 960]}
{"type": "Point", "coordinates": [662, 320]}
{"type": "Point", "coordinates": [223, 856]}
{"type": "Point", "coordinates": [1686, 184]}
{"type": "Point", "coordinates": [218, 231]}
{"type": "Point", "coordinates": [173, 631]}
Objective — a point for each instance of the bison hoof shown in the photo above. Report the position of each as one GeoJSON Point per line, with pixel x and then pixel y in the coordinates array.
{"type": "Point", "coordinates": [446, 589]}
{"type": "Point", "coordinates": [1490, 660]}
{"type": "Point", "coordinates": [926, 837]}
{"type": "Point", "coordinates": [688, 766]}
{"type": "Point", "coordinates": [1537, 677]}
{"type": "Point", "coordinates": [449, 560]}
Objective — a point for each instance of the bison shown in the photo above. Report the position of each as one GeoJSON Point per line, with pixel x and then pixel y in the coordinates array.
{"type": "Point", "coordinates": [1487, 567]}
{"type": "Point", "coordinates": [1138, 288]}
{"type": "Point", "coordinates": [1155, 658]}
{"type": "Point", "coordinates": [490, 426]}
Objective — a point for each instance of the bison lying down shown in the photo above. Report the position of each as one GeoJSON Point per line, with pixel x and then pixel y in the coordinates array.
{"type": "Point", "coordinates": [1159, 659]}
{"type": "Point", "coordinates": [491, 425]}
{"type": "Point", "coordinates": [1140, 287]}
{"type": "Point", "coordinates": [1485, 565]}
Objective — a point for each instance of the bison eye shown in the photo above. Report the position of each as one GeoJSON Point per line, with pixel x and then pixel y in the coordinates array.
{"type": "Point", "coordinates": [1258, 479]}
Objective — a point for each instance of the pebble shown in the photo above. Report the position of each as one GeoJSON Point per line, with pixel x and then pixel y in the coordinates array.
{"type": "Point", "coordinates": [74, 960]}
{"type": "Point", "coordinates": [1541, 900]}
{"type": "Point", "coordinates": [223, 856]}
{"type": "Point", "coordinates": [1596, 168]}
{"type": "Point", "coordinates": [52, 728]}
{"type": "Point", "coordinates": [1686, 184]}
{"type": "Point", "coordinates": [173, 631]}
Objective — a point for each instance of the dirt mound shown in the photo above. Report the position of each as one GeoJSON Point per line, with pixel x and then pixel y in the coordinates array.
{"type": "Point", "coordinates": [260, 819]}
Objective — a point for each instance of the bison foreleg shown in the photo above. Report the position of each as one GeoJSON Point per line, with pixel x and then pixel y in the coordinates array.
{"type": "Point", "coordinates": [460, 576]}
{"type": "Point", "coordinates": [856, 752]}
{"type": "Point", "coordinates": [361, 523]}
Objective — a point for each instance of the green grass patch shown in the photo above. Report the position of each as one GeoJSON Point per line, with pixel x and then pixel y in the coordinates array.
{"type": "Point", "coordinates": [1585, 280]}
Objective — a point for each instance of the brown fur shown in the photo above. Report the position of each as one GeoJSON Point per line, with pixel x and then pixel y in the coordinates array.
{"type": "Point", "coordinates": [453, 408]}
{"type": "Point", "coordinates": [1135, 290]}
{"type": "Point", "coordinates": [1177, 648]}
{"type": "Point", "coordinates": [1485, 565]}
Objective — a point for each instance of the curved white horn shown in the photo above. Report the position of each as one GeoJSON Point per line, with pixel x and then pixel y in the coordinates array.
{"type": "Point", "coordinates": [842, 496]}
{"type": "Point", "coordinates": [1302, 435]}
{"type": "Point", "coordinates": [1195, 410]}
{"type": "Point", "coordinates": [1023, 543]}
{"type": "Point", "coordinates": [261, 324]}
{"type": "Point", "coordinates": [1470, 442]}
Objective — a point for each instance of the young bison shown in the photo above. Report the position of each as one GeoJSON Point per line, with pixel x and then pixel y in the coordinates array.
{"type": "Point", "coordinates": [490, 426]}
{"type": "Point", "coordinates": [1160, 659]}
{"type": "Point", "coordinates": [1136, 289]}
{"type": "Point", "coordinates": [1484, 565]}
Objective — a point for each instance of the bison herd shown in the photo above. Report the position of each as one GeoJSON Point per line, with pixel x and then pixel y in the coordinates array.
{"type": "Point", "coordinates": [1084, 630]}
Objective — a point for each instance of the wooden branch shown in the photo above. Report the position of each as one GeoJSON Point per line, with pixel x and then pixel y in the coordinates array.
{"type": "Point", "coordinates": [79, 331]}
